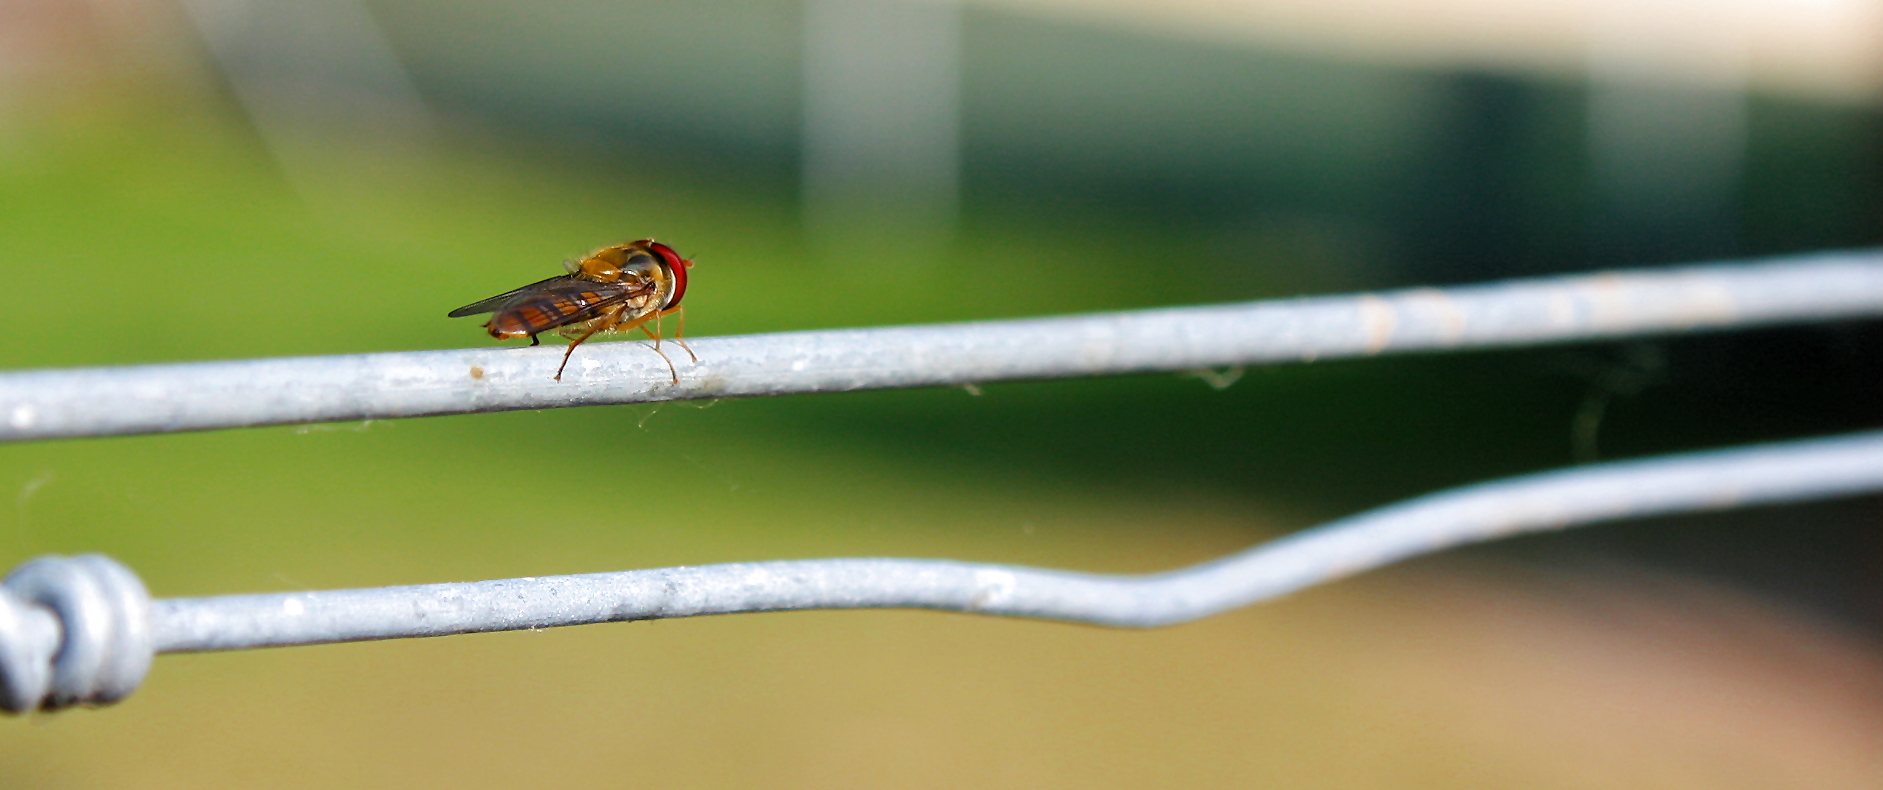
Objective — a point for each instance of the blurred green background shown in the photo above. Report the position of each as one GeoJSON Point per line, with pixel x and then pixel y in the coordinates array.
{"type": "Point", "coordinates": [231, 179]}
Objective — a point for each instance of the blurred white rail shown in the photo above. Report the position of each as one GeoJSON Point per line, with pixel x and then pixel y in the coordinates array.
{"type": "Point", "coordinates": [199, 396]}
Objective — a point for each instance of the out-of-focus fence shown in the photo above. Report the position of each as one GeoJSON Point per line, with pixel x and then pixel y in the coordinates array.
{"type": "Point", "coordinates": [83, 630]}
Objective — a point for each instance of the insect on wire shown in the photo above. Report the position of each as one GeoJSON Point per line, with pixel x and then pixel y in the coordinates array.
{"type": "Point", "coordinates": [613, 289]}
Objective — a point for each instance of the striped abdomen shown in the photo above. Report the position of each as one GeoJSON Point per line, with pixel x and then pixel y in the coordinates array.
{"type": "Point", "coordinates": [534, 313]}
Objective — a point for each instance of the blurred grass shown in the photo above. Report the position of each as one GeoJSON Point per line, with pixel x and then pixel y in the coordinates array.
{"type": "Point", "coordinates": [137, 235]}
{"type": "Point", "coordinates": [223, 255]}
{"type": "Point", "coordinates": [189, 240]}
{"type": "Point", "coordinates": [196, 247]}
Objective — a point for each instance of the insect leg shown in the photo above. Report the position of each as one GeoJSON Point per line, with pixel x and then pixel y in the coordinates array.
{"type": "Point", "coordinates": [593, 327]}
{"type": "Point", "coordinates": [663, 355]}
{"type": "Point", "coordinates": [655, 332]}
{"type": "Point", "coordinates": [642, 323]}
{"type": "Point", "coordinates": [675, 372]}
{"type": "Point", "coordinates": [681, 319]}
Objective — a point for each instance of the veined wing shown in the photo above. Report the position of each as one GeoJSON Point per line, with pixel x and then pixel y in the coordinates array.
{"type": "Point", "coordinates": [496, 302]}
{"type": "Point", "coordinates": [559, 301]}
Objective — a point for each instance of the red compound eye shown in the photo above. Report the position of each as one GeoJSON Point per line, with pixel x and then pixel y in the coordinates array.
{"type": "Point", "coordinates": [676, 268]}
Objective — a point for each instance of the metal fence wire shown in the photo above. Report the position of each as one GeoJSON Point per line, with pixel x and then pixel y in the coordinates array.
{"type": "Point", "coordinates": [83, 630]}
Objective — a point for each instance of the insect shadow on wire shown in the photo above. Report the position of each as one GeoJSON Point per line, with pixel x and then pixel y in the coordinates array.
{"type": "Point", "coordinates": [613, 289]}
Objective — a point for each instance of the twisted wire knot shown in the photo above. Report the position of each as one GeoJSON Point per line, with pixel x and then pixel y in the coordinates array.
{"type": "Point", "coordinates": [73, 631]}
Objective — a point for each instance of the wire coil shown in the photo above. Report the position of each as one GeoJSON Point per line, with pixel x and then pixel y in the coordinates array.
{"type": "Point", "coordinates": [73, 631]}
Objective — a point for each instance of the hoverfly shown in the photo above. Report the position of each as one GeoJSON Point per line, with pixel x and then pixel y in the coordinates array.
{"type": "Point", "coordinates": [613, 289]}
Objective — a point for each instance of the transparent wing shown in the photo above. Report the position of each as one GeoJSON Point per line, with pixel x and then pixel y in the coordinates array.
{"type": "Point", "coordinates": [559, 302]}
{"type": "Point", "coordinates": [495, 302]}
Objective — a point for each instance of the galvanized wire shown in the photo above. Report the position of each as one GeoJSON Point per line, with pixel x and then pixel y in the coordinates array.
{"type": "Point", "coordinates": [80, 631]}
{"type": "Point", "coordinates": [1554, 500]}
{"type": "Point", "coordinates": [199, 396]}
